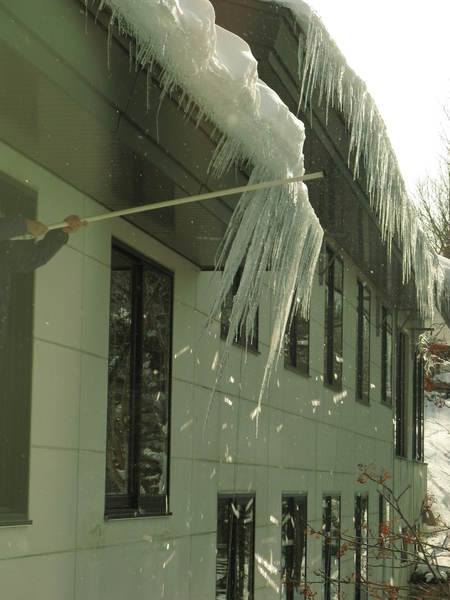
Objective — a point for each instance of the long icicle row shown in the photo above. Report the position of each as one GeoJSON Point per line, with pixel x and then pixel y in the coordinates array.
{"type": "Point", "coordinates": [324, 69]}
{"type": "Point", "coordinates": [274, 231]}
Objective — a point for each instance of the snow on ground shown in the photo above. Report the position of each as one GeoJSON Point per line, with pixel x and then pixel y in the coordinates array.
{"type": "Point", "coordinates": [437, 455]}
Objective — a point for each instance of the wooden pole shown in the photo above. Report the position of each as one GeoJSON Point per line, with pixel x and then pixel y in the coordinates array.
{"type": "Point", "coordinates": [186, 200]}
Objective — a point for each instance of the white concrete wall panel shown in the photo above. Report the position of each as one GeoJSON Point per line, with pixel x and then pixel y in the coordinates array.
{"type": "Point", "coordinates": [310, 437]}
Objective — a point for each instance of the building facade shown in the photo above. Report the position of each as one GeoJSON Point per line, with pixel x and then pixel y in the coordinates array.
{"type": "Point", "coordinates": [123, 475]}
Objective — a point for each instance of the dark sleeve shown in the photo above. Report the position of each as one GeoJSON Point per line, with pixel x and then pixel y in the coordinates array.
{"type": "Point", "coordinates": [12, 226]}
{"type": "Point", "coordinates": [29, 255]}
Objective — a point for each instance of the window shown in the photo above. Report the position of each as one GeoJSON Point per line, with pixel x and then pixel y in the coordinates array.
{"type": "Point", "coordinates": [235, 547]}
{"type": "Point", "coordinates": [400, 398]}
{"type": "Point", "coordinates": [363, 345]}
{"type": "Point", "coordinates": [361, 546]}
{"type": "Point", "coordinates": [16, 344]}
{"type": "Point", "coordinates": [296, 342]}
{"type": "Point", "coordinates": [333, 320]}
{"type": "Point", "coordinates": [384, 531]}
{"type": "Point", "coordinates": [293, 546]}
{"type": "Point", "coordinates": [418, 409]}
{"type": "Point", "coordinates": [331, 560]}
{"type": "Point", "coordinates": [386, 356]}
{"type": "Point", "coordinates": [140, 333]}
{"type": "Point", "coordinates": [241, 336]}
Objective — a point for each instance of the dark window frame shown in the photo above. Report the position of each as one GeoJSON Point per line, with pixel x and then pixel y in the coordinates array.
{"type": "Point", "coordinates": [327, 545]}
{"type": "Point", "coordinates": [133, 503]}
{"type": "Point", "coordinates": [363, 353]}
{"type": "Point", "coordinates": [295, 325]}
{"type": "Point", "coordinates": [300, 502]}
{"type": "Point", "coordinates": [386, 364]}
{"type": "Point", "coordinates": [241, 337]}
{"type": "Point", "coordinates": [361, 539]}
{"type": "Point", "coordinates": [233, 590]}
{"type": "Point", "coordinates": [400, 420]}
{"type": "Point", "coordinates": [333, 365]}
{"type": "Point", "coordinates": [418, 409]}
{"type": "Point", "coordinates": [17, 199]}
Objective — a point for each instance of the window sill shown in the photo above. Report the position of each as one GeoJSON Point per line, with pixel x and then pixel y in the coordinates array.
{"type": "Point", "coordinates": [362, 402]}
{"type": "Point", "coordinates": [400, 457]}
{"type": "Point", "coordinates": [297, 371]}
{"type": "Point", "coordinates": [133, 515]}
{"type": "Point", "coordinates": [386, 404]}
{"type": "Point", "coordinates": [14, 521]}
{"type": "Point", "coordinates": [242, 346]}
{"type": "Point", "coordinates": [332, 387]}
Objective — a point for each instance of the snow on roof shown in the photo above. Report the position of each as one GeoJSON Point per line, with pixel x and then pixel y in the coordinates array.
{"type": "Point", "coordinates": [274, 228]}
{"type": "Point", "coordinates": [324, 69]}
{"type": "Point", "coordinates": [277, 227]}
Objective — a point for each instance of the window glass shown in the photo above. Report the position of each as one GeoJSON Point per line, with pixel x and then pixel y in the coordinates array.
{"type": "Point", "coordinates": [418, 409]}
{"type": "Point", "coordinates": [155, 384]}
{"type": "Point", "coordinates": [235, 547]}
{"type": "Point", "coordinates": [361, 546]}
{"type": "Point", "coordinates": [119, 382]}
{"type": "Point", "coordinates": [296, 343]}
{"type": "Point", "coordinates": [400, 400]}
{"type": "Point", "coordinates": [386, 356]}
{"type": "Point", "coordinates": [363, 345]}
{"type": "Point", "coordinates": [140, 335]}
{"type": "Point", "coordinates": [17, 261]}
{"type": "Point", "coordinates": [331, 561]}
{"type": "Point", "coordinates": [293, 546]}
{"type": "Point", "coordinates": [333, 321]}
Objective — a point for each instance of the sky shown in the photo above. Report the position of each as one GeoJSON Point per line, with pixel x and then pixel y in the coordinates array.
{"type": "Point", "coordinates": [401, 49]}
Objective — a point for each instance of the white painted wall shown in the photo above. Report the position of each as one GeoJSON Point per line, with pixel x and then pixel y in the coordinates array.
{"type": "Point", "coordinates": [70, 552]}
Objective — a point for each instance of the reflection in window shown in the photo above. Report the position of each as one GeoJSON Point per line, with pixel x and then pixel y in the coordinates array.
{"type": "Point", "coordinates": [293, 546]}
{"type": "Point", "coordinates": [235, 547]}
{"type": "Point", "coordinates": [296, 342]}
{"type": "Point", "coordinates": [418, 409]}
{"type": "Point", "coordinates": [386, 356]}
{"type": "Point", "coordinates": [361, 546]}
{"type": "Point", "coordinates": [333, 320]}
{"type": "Point", "coordinates": [384, 530]}
{"type": "Point", "coordinates": [138, 387]}
{"type": "Point", "coordinates": [331, 561]}
{"type": "Point", "coordinates": [400, 400]}
{"type": "Point", "coordinates": [363, 344]}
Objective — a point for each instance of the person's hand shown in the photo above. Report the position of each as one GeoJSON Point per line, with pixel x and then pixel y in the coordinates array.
{"type": "Point", "coordinates": [73, 224]}
{"type": "Point", "coordinates": [36, 228]}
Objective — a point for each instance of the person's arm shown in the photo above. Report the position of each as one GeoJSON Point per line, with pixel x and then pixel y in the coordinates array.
{"type": "Point", "coordinates": [12, 226]}
{"type": "Point", "coordinates": [31, 255]}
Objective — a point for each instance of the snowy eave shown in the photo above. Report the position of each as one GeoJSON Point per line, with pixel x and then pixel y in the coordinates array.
{"type": "Point", "coordinates": [325, 71]}
{"type": "Point", "coordinates": [273, 231]}
{"type": "Point", "coordinates": [218, 72]}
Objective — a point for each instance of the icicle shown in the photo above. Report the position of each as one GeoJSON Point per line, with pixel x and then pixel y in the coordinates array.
{"type": "Point", "coordinates": [109, 41]}
{"type": "Point", "coordinates": [324, 68]}
{"type": "Point", "coordinates": [272, 233]}
{"type": "Point", "coordinates": [148, 80]}
{"type": "Point", "coordinates": [85, 16]}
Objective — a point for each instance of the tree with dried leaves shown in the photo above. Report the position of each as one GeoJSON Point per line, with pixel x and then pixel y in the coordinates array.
{"type": "Point", "coordinates": [400, 541]}
{"type": "Point", "coordinates": [433, 200]}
